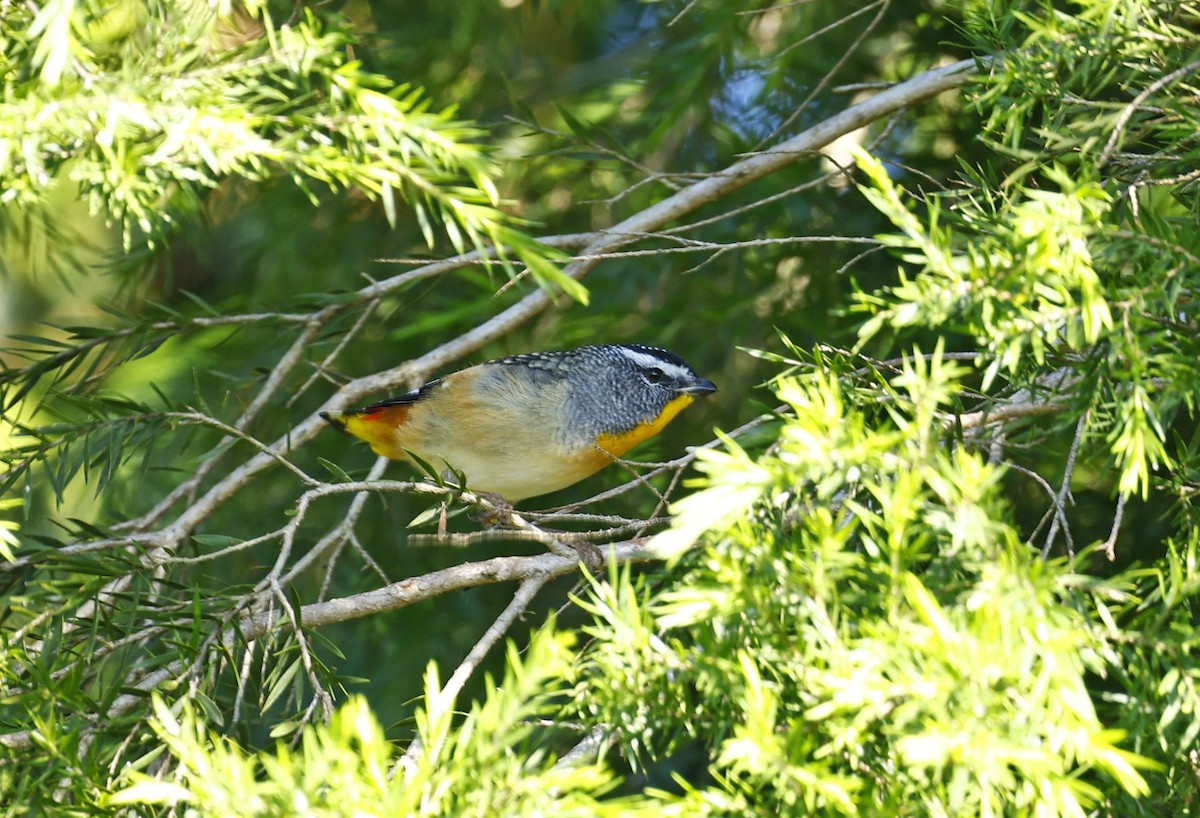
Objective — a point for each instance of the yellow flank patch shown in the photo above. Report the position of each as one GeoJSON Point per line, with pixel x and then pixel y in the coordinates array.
{"type": "Point", "coordinates": [618, 444]}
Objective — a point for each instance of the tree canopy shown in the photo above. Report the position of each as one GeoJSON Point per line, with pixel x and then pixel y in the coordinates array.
{"type": "Point", "coordinates": [931, 549]}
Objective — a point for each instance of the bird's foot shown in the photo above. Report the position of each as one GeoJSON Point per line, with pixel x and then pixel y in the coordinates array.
{"type": "Point", "coordinates": [500, 513]}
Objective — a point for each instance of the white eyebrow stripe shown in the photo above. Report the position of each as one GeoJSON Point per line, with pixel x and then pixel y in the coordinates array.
{"type": "Point", "coordinates": [646, 360]}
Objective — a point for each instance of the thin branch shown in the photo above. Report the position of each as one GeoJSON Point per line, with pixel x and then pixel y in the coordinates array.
{"type": "Point", "coordinates": [465, 575]}
{"type": "Point", "coordinates": [812, 35]}
{"type": "Point", "coordinates": [837, 66]}
{"type": "Point", "coordinates": [1110, 545]}
{"type": "Point", "coordinates": [446, 697]}
{"type": "Point", "coordinates": [55, 360]}
{"type": "Point", "coordinates": [323, 367]}
{"type": "Point", "coordinates": [345, 528]}
{"type": "Point", "coordinates": [319, 692]}
{"type": "Point", "coordinates": [290, 359]}
{"type": "Point", "coordinates": [1064, 492]}
{"type": "Point", "coordinates": [1009, 411]}
{"type": "Point", "coordinates": [389, 598]}
{"type": "Point", "coordinates": [1055, 509]}
{"type": "Point", "coordinates": [237, 433]}
{"type": "Point", "coordinates": [1132, 108]}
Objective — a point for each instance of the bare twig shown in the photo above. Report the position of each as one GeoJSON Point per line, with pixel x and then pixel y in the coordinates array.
{"type": "Point", "coordinates": [837, 66]}
{"type": "Point", "coordinates": [1064, 492]}
{"type": "Point", "coordinates": [1132, 108]}
{"type": "Point", "coordinates": [1055, 509]}
{"type": "Point", "coordinates": [1110, 544]}
{"type": "Point", "coordinates": [446, 697]}
{"type": "Point", "coordinates": [389, 598]}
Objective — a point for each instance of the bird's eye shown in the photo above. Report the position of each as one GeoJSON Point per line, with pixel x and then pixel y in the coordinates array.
{"type": "Point", "coordinates": [654, 375]}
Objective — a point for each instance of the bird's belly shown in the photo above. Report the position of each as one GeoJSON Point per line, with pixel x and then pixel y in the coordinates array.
{"type": "Point", "coordinates": [516, 477]}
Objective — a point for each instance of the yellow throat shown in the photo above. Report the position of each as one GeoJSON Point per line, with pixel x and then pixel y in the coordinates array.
{"type": "Point", "coordinates": [618, 444]}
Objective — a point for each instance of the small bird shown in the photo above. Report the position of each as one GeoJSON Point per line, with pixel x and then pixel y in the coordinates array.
{"type": "Point", "coordinates": [533, 423]}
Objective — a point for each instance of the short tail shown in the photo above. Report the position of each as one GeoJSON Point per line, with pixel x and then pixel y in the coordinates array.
{"type": "Point", "coordinates": [377, 425]}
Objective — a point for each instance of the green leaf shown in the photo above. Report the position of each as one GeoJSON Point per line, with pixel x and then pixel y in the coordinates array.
{"type": "Point", "coordinates": [335, 470]}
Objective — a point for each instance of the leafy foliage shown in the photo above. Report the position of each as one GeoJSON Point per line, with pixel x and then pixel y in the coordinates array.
{"type": "Point", "coordinates": [866, 632]}
{"type": "Point", "coordinates": [482, 766]}
{"type": "Point", "coordinates": [231, 96]}
{"type": "Point", "coordinates": [953, 570]}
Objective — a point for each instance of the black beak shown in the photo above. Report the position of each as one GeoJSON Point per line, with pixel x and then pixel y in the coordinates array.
{"type": "Point", "coordinates": [702, 386]}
